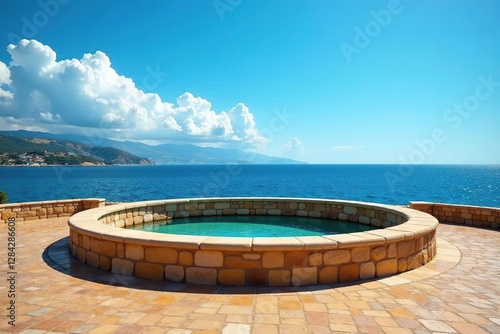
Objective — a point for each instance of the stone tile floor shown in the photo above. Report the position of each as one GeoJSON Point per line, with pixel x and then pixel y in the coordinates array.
{"type": "Point", "coordinates": [458, 292]}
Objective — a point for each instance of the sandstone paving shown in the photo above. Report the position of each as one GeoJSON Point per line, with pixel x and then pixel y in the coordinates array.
{"type": "Point", "coordinates": [457, 292]}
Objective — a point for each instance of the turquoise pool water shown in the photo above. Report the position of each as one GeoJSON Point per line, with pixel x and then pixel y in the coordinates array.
{"type": "Point", "coordinates": [253, 226]}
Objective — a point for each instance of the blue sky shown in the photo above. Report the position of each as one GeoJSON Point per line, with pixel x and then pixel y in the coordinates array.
{"type": "Point", "coordinates": [322, 82]}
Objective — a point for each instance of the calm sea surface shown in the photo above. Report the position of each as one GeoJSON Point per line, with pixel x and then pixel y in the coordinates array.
{"type": "Point", "coordinates": [390, 184]}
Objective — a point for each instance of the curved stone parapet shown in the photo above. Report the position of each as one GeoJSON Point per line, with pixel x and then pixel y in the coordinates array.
{"type": "Point", "coordinates": [406, 240]}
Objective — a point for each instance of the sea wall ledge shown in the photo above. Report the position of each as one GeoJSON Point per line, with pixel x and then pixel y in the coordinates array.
{"type": "Point", "coordinates": [47, 209]}
{"type": "Point", "coordinates": [405, 241]}
{"type": "Point", "coordinates": [479, 216]}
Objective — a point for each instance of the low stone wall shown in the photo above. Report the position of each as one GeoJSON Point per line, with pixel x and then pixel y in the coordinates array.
{"type": "Point", "coordinates": [47, 209]}
{"type": "Point", "coordinates": [461, 214]}
{"type": "Point", "coordinates": [408, 241]}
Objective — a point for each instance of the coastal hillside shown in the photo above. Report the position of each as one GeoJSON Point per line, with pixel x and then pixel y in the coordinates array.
{"type": "Point", "coordinates": [166, 154]}
{"type": "Point", "coordinates": [16, 150]}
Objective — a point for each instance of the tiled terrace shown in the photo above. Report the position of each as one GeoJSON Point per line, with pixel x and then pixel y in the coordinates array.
{"type": "Point", "coordinates": [458, 292]}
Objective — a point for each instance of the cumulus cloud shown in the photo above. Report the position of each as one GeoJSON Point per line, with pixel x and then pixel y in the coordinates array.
{"type": "Point", "coordinates": [38, 90]}
{"type": "Point", "coordinates": [294, 145]}
{"type": "Point", "coordinates": [5, 96]}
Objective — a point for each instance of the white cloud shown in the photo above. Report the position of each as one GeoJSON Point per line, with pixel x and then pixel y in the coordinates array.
{"type": "Point", "coordinates": [89, 93]}
{"type": "Point", "coordinates": [294, 145]}
{"type": "Point", "coordinates": [5, 96]}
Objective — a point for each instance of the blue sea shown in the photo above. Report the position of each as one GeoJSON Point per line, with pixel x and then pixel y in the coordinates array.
{"type": "Point", "coordinates": [389, 184]}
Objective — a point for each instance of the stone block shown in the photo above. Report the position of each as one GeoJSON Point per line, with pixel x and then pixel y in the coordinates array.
{"type": "Point", "coordinates": [304, 276]}
{"type": "Point", "coordinates": [41, 212]}
{"type": "Point", "coordinates": [191, 206]}
{"type": "Point", "coordinates": [274, 212]}
{"type": "Point", "coordinates": [134, 252]}
{"type": "Point", "coordinates": [148, 217]}
{"type": "Point", "coordinates": [302, 213]}
{"type": "Point", "coordinates": [185, 258]}
{"type": "Point", "coordinates": [315, 214]}
{"type": "Point", "coordinates": [405, 248]}
{"type": "Point", "coordinates": [161, 255]}
{"type": "Point", "coordinates": [273, 260]}
{"type": "Point", "coordinates": [231, 277]}
{"type": "Point", "coordinates": [208, 258]}
{"type": "Point", "coordinates": [93, 259]}
{"type": "Point", "coordinates": [392, 251]}
{"type": "Point", "coordinates": [369, 212]}
{"type": "Point", "coordinates": [338, 256]}
{"type": "Point", "coordinates": [343, 216]}
{"type": "Point", "coordinates": [279, 277]}
{"type": "Point", "coordinates": [350, 210]}
{"type": "Point", "coordinates": [122, 267]}
{"type": "Point", "coordinates": [174, 273]}
{"type": "Point", "coordinates": [360, 254]}
{"type": "Point", "coordinates": [209, 212]}
{"type": "Point", "coordinates": [387, 267]}
{"type": "Point", "coordinates": [378, 253]}
{"type": "Point", "coordinates": [329, 215]}
{"type": "Point", "coordinates": [364, 220]}
{"type": "Point", "coordinates": [86, 242]}
{"type": "Point", "coordinates": [104, 263]}
{"type": "Point", "coordinates": [401, 265]}
{"type": "Point", "coordinates": [251, 256]}
{"type": "Point", "coordinates": [242, 211]}
{"type": "Point", "coordinates": [149, 270]}
{"type": "Point", "coordinates": [171, 207]}
{"type": "Point", "coordinates": [319, 207]}
{"type": "Point", "coordinates": [376, 222]}
{"type": "Point", "coordinates": [222, 205]}
{"type": "Point", "coordinates": [316, 259]}
{"type": "Point", "coordinates": [81, 254]}
{"type": "Point", "coordinates": [348, 272]}
{"type": "Point", "coordinates": [328, 275]}
{"type": "Point", "coordinates": [413, 261]}
{"type": "Point", "coordinates": [366, 270]}
{"type": "Point", "coordinates": [296, 259]}
{"type": "Point", "coordinates": [120, 250]}
{"type": "Point", "coordinates": [206, 276]}
{"type": "Point", "coordinates": [236, 261]}
{"type": "Point", "coordinates": [269, 205]}
{"type": "Point", "coordinates": [58, 210]}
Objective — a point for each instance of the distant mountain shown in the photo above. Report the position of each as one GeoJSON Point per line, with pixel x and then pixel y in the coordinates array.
{"type": "Point", "coordinates": [68, 151]}
{"type": "Point", "coordinates": [166, 153]}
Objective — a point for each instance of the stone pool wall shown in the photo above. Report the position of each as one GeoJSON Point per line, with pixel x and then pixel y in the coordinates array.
{"type": "Point", "coordinates": [461, 214]}
{"type": "Point", "coordinates": [407, 242]}
{"type": "Point", "coordinates": [47, 209]}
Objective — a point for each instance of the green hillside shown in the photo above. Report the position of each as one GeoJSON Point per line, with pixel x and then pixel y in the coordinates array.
{"type": "Point", "coordinates": [61, 152]}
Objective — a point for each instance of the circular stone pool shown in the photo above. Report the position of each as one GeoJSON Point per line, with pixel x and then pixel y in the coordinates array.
{"type": "Point", "coordinates": [404, 240]}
